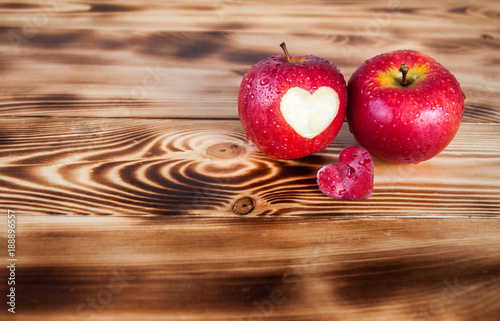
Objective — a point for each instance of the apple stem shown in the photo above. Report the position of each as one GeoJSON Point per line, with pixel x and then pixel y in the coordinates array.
{"type": "Point", "coordinates": [283, 46]}
{"type": "Point", "coordinates": [404, 70]}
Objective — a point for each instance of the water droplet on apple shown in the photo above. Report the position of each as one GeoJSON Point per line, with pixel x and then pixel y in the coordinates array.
{"type": "Point", "coordinates": [417, 115]}
{"type": "Point", "coordinates": [350, 171]}
{"type": "Point", "coordinates": [365, 161]}
{"type": "Point", "coordinates": [252, 96]}
{"type": "Point", "coordinates": [264, 81]}
{"type": "Point", "coordinates": [342, 192]}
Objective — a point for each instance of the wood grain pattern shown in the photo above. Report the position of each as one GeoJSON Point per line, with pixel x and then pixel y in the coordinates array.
{"type": "Point", "coordinates": [186, 59]}
{"type": "Point", "coordinates": [188, 167]}
{"type": "Point", "coordinates": [138, 196]}
{"type": "Point", "coordinates": [252, 269]}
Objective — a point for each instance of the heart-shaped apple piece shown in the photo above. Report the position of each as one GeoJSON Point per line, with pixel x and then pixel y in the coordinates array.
{"type": "Point", "coordinates": [351, 178]}
{"type": "Point", "coordinates": [309, 114]}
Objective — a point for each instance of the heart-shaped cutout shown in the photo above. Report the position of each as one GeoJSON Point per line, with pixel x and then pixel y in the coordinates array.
{"type": "Point", "coordinates": [351, 178]}
{"type": "Point", "coordinates": [309, 114]}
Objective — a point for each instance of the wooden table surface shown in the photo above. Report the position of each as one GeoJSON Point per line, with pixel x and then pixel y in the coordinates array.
{"type": "Point", "coordinates": [123, 157]}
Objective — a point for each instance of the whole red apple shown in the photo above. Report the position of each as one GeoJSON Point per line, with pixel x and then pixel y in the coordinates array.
{"type": "Point", "coordinates": [404, 106]}
{"type": "Point", "coordinates": [292, 106]}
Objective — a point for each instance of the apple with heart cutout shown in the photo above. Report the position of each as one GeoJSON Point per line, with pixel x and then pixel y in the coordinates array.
{"type": "Point", "coordinates": [404, 107]}
{"type": "Point", "coordinates": [351, 179]}
{"type": "Point", "coordinates": [292, 106]}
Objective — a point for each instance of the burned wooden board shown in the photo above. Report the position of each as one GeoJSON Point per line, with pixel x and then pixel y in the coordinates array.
{"type": "Point", "coordinates": [139, 167]}
{"type": "Point", "coordinates": [138, 197]}
{"type": "Point", "coordinates": [165, 268]}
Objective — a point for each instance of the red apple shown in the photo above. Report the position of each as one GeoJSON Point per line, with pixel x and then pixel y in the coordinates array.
{"type": "Point", "coordinates": [350, 179]}
{"type": "Point", "coordinates": [292, 106]}
{"type": "Point", "coordinates": [404, 107]}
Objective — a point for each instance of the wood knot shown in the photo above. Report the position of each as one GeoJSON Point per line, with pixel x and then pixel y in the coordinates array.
{"type": "Point", "coordinates": [224, 150]}
{"type": "Point", "coordinates": [244, 206]}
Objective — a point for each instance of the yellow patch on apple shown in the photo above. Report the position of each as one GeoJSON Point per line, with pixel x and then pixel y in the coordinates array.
{"type": "Point", "coordinates": [392, 77]}
{"type": "Point", "coordinates": [309, 114]}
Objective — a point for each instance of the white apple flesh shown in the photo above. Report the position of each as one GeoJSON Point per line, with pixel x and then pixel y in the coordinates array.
{"type": "Point", "coordinates": [310, 114]}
